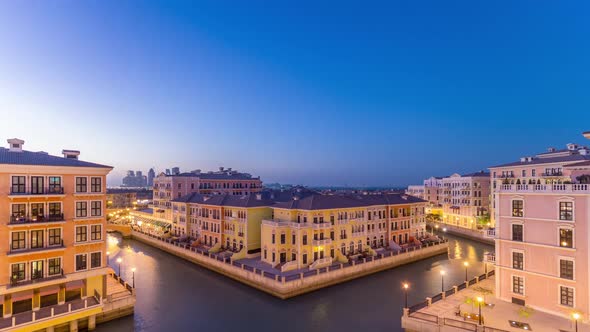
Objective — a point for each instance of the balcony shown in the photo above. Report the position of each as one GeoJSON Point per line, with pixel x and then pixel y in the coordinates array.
{"type": "Point", "coordinates": [22, 320]}
{"type": "Point", "coordinates": [16, 251]}
{"type": "Point", "coordinates": [23, 220]}
{"type": "Point", "coordinates": [229, 232]}
{"type": "Point", "coordinates": [321, 242]}
{"type": "Point", "coordinates": [505, 176]}
{"type": "Point", "coordinates": [490, 233]}
{"type": "Point", "coordinates": [546, 188]}
{"type": "Point", "coordinates": [321, 225]}
{"type": "Point", "coordinates": [551, 174]}
{"type": "Point", "coordinates": [50, 191]}
{"type": "Point", "coordinates": [36, 277]}
{"type": "Point", "coordinates": [489, 257]}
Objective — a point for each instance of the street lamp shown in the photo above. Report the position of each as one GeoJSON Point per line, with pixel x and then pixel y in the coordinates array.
{"type": "Point", "coordinates": [406, 286]}
{"type": "Point", "coordinates": [466, 264]}
{"type": "Point", "coordinates": [442, 281]}
{"type": "Point", "coordinates": [108, 253]}
{"type": "Point", "coordinates": [576, 317]}
{"type": "Point", "coordinates": [479, 301]}
{"type": "Point", "coordinates": [133, 276]}
{"type": "Point", "coordinates": [119, 260]}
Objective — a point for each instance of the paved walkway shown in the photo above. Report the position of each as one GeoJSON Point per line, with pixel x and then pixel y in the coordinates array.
{"type": "Point", "coordinates": [498, 315]}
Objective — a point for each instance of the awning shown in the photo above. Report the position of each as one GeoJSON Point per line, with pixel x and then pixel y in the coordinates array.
{"type": "Point", "coordinates": [24, 295]}
{"type": "Point", "coordinates": [74, 284]}
{"type": "Point", "coordinates": [49, 290]}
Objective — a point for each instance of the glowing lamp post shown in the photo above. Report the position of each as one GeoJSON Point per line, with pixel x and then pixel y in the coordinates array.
{"type": "Point", "coordinates": [442, 281]}
{"type": "Point", "coordinates": [133, 276]}
{"type": "Point", "coordinates": [119, 260]}
{"type": "Point", "coordinates": [576, 316]}
{"type": "Point", "coordinates": [479, 302]}
{"type": "Point", "coordinates": [406, 286]}
{"type": "Point", "coordinates": [466, 264]}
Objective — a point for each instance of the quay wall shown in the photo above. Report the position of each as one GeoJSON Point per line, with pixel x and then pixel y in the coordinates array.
{"type": "Point", "coordinates": [279, 286]}
{"type": "Point", "coordinates": [466, 233]}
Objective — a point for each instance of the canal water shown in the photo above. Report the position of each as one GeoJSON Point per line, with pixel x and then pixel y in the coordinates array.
{"type": "Point", "coordinates": [175, 295]}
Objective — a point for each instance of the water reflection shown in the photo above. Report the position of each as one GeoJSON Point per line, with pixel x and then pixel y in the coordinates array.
{"type": "Point", "coordinates": [176, 295]}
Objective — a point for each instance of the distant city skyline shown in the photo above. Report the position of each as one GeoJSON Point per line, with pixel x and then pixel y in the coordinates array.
{"type": "Point", "coordinates": [384, 94]}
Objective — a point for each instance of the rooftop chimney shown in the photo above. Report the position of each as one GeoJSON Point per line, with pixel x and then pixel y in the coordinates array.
{"type": "Point", "coordinates": [586, 134]}
{"type": "Point", "coordinates": [70, 154]}
{"type": "Point", "coordinates": [15, 144]}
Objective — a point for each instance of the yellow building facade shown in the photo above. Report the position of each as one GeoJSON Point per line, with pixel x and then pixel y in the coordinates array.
{"type": "Point", "coordinates": [312, 231]}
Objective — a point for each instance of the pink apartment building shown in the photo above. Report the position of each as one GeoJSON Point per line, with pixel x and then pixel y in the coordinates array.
{"type": "Point", "coordinates": [465, 199]}
{"type": "Point", "coordinates": [433, 189]}
{"type": "Point", "coordinates": [225, 181]}
{"type": "Point", "coordinates": [542, 208]}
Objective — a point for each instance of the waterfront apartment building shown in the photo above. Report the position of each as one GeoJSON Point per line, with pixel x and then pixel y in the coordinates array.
{"type": "Point", "coordinates": [416, 191]}
{"type": "Point", "coordinates": [225, 181]}
{"type": "Point", "coordinates": [466, 199]}
{"type": "Point", "coordinates": [52, 238]}
{"type": "Point", "coordinates": [313, 230]}
{"type": "Point", "coordinates": [542, 210]}
{"type": "Point", "coordinates": [433, 190]}
{"type": "Point", "coordinates": [231, 221]}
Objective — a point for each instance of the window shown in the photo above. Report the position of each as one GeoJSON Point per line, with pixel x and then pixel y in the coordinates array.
{"type": "Point", "coordinates": [304, 258]}
{"type": "Point", "coordinates": [273, 240]}
{"type": "Point", "coordinates": [96, 232]}
{"type": "Point", "coordinates": [283, 240]}
{"type": "Point", "coordinates": [81, 185]}
{"type": "Point", "coordinates": [566, 269]}
{"type": "Point", "coordinates": [81, 262]}
{"type": "Point", "coordinates": [19, 210]}
{"type": "Point", "coordinates": [37, 239]}
{"type": "Point", "coordinates": [517, 231]}
{"type": "Point", "coordinates": [524, 173]}
{"type": "Point", "coordinates": [534, 172]}
{"type": "Point", "coordinates": [95, 259]}
{"type": "Point", "coordinates": [566, 211]}
{"type": "Point", "coordinates": [55, 185]}
{"type": "Point", "coordinates": [566, 238]}
{"type": "Point", "coordinates": [36, 269]}
{"type": "Point", "coordinates": [518, 285]}
{"type": "Point", "coordinates": [81, 233]}
{"type": "Point", "coordinates": [293, 239]}
{"type": "Point", "coordinates": [305, 239]}
{"type": "Point", "coordinates": [96, 184]}
{"type": "Point", "coordinates": [37, 211]}
{"type": "Point", "coordinates": [18, 185]}
{"type": "Point", "coordinates": [18, 272]}
{"type": "Point", "coordinates": [37, 184]}
{"type": "Point", "coordinates": [517, 260]}
{"type": "Point", "coordinates": [517, 208]}
{"type": "Point", "coordinates": [81, 209]}
{"type": "Point", "coordinates": [18, 240]}
{"type": "Point", "coordinates": [96, 208]}
{"type": "Point", "coordinates": [566, 296]}
{"type": "Point", "coordinates": [54, 236]}
{"type": "Point", "coordinates": [54, 266]}
{"type": "Point", "coordinates": [54, 209]}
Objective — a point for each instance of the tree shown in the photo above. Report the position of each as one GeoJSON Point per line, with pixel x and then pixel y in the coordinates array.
{"type": "Point", "coordinates": [433, 217]}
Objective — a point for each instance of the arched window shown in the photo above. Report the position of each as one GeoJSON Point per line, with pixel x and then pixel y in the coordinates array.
{"type": "Point", "coordinates": [360, 246]}
{"type": "Point", "coordinates": [234, 244]}
{"type": "Point", "coordinates": [351, 247]}
{"type": "Point", "coordinates": [343, 248]}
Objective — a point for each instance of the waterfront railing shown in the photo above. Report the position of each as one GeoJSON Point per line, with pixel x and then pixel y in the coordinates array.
{"type": "Point", "coordinates": [293, 276]}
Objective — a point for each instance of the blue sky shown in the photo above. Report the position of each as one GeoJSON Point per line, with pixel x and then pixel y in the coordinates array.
{"type": "Point", "coordinates": [317, 93]}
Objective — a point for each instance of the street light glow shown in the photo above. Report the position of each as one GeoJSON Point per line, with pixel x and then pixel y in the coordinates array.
{"type": "Point", "coordinates": [576, 316]}
{"type": "Point", "coordinates": [479, 299]}
{"type": "Point", "coordinates": [133, 269]}
{"type": "Point", "coordinates": [406, 285]}
{"type": "Point", "coordinates": [442, 272]}
{"type": "Point", "coordinates": [466, 264]}
{"type": "Point", "coordinates": [119, 260]}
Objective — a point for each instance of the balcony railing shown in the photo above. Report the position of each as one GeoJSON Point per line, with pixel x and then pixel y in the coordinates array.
{"type": "Point", "coordinates": [322, 225]}
{"type": "Point", "coordinates": [36, 277]}
{"type": "Point", "coordinates": [322, 242]}
{"type": "Point", "coordinates": [54, 190]}
{"type": "Point", "coordinates": [489, 257]}
{"type": "Point", "coordinates": [490, 233]}
{"type": "Point", "coordinates": [547, 188]}
{"type": "Point", "coordinates": [549, 174]}
{"type": "Point", "coordinates": [59, 245]}
{"type": "Point", "coordinates": [18, 220]}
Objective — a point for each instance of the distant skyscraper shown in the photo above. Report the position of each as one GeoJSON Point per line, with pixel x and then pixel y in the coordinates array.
{"type": "Point", "coordinates": [175, 170]}
{"type": "Point", "coordinates": [134, 179]}
{"type": "Point", "coordinates": [150, 177]}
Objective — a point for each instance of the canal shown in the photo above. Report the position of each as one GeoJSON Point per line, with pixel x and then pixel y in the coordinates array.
{"type": "Point", "coordinates": [175, 295]}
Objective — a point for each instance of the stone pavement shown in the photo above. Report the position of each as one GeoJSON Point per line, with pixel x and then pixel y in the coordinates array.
{"type": "Point", "coordinates": [497, 316]}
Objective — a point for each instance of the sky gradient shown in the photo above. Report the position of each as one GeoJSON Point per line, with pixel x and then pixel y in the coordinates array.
{"type": "Point", "coordinates": [315, 93]}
